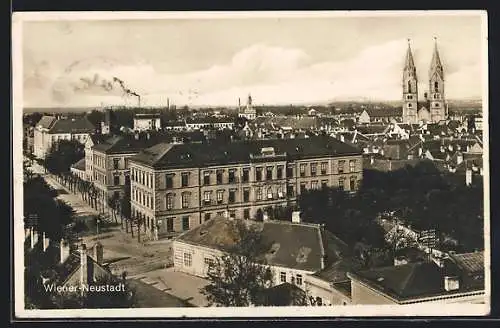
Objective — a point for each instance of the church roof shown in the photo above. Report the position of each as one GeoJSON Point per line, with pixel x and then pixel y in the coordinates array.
{"type": "Point", "coordinates": [409, 63]}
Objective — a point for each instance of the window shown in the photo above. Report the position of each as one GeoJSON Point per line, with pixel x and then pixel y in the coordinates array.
{"type": "Point", "coordinates": [269, 173]}
{"type": "Point", "coordinates": [302, 169]}
{"type": "Point", "coordinates": [314, 169]}
{"type": "Point", "coordinates": [116, 180]}
{"type": "Point", "coordinates": [220, 196]}
{"type": "Point", "coordinates": [184, 179]}
{"type": "Point", "coordinates": [208, 216]}
{"type": "Point", "coordinates": [170, 224]}
{"type": "Point", "coordinates": [206, 178]}
{"type": "Point", "coordinates": [188, 259]}
{"type": "Point", "coordinates": [208, 261]}
{"type": "Point", "coordinates": [302, 187]}
{"type": "Point", "coordinates": [170, 201]}
{"type": "Point", "coordinates": [246, 214]}
{"type": "Point", "coordinates": [282, 276]}
{"type": "Point", "coordinates": [290, 191]}
{"type": "Point", "coordinates": [341, 184]}
{"type": "Point", "coordinates": [246, 194]}
{"type": "Point", "coordinates": [324, 183]}
{"type": "Point", "coordinates": [232, 178]}
{"type": "Point", "coordinates": [280, 172]}
{"type": "Point", "coordinates": [219, 176]}
{"type": "Point", "coordinates": [186, 197]}
{"type": "Point", "coordinates": [269, 193]}
{"type": "Point", "coordinates": [299, 280]}
{"type": "Point", "coordinates": [207, 196]}
{"type": "Point", "coordinates": [436, 87]}
{"type": "Point", "coordinates": [280, 191]}
{"type": "Point", "coordinates": [324, 167]}
{"type": "Point", "coordinates": [352, 184]}
{"type": "Point", "coordinates": [352, 166]}
{"type": "Point", "coordinates": [258, 193]}
{"type": "Point", "coordinates": [116, 163]}
{"type": "Point", "coordinates": [341, 167]}
{"type": "Point", "coordinates": [185, 223]}
{"type": "Point", "coordinates": [410, 105]}
{"type": "Point", "coordinates": [258, 174]}
{"type": "Point", "coordinates": [409, 86]}
{"type": "Point", "coordinates": [127, 180]}
{"type": "Point", "coordinates": [289, 171]}
{"type": "Point", "coordinates": [314, 185]}
{"type": "Point", "coordinates": [246, 174]}
{"type": "Point", "coordinates": [232, 196]}
{"type": "Point", "coordinates": [319, 301]}
{"type": "Point", "coordinates": [232, 214]}
{"type": "Point", "coordinates": [169, 181]}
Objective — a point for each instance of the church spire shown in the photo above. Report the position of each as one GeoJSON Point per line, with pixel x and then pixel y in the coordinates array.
{"type": "Point", "coordinates": [436, 66]}
{"type": "Point", "coordinates": [409, 64]}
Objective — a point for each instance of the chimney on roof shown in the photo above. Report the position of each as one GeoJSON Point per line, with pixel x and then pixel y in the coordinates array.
{"type": "Point", "coordinates": [296, 217]}
{"type": "Point", "coordinates": [136, 135]}
{"type": "Point", "coordinates": [33, 237]}
{"type": "Point", "coordinates": [82, 250]}
{"type": "Point", "coordinates": [468, 177]}
{"type": "Point", "coordinates": [63, 250]}
{"type": "Point", "coordinates": [342, 138]}
{"type": "Point", "coordinates": [441, 149]}
{"type": "Point", "coordinates": [98, 253]}
{"type": "Point", "coordinates": [45, 241]}
{"type": "Point", "coordinates": [451, 283]}
{"type": "Point", "coordinates": [400, 260]}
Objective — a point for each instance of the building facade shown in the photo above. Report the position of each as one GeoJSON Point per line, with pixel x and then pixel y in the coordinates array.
{"type": "Point", "coordinates": [50, 130]}
{"type": "Point", "coordinates": [177, 187]}
{"type": "Point", "coordinates": [248, 112]}
{"type": "Point", "coordinates": [144, 122]}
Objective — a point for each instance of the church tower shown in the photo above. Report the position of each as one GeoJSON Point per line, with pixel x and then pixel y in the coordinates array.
{"type": "Point", "coordinates": [437, 103]}
{"type": "Point", "coordinates": [410, 92]}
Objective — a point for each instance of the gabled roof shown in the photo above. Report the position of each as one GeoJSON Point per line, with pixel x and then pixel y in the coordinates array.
{"type": "Point", "coordinates": [80, 165]}
{"type": "Point", "coordinates": [385, 112]}
{"type": "Point", "coordinates": [415, 280]}
{"type": "Point", "coordinates": [46, 122]}
{"type": "Point", "coordinates": [218, 153]}
{"type": "Point", "coordinates": [471, 263]}
{"type": "Point", "coordinates": [337, 271]}
{"type": "Point", "coordinates": [72, 125]}
{"type": "Point", "coordinates": [291, 245]}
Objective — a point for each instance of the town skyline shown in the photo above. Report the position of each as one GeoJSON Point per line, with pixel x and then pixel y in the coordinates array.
{"type": "Point", "coordinates": [275, 60]}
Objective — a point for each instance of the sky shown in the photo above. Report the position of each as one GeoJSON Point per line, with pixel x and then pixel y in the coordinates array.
{"type": "Point", "coordinates": [213, 62]}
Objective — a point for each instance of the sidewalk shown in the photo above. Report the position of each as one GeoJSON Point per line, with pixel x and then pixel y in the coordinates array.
{"type": "Point", "coordinates": [74, 200]}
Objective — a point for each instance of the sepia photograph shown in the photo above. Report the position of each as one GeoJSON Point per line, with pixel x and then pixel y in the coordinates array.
{"type": "Point", "coordinates": [250, 164]}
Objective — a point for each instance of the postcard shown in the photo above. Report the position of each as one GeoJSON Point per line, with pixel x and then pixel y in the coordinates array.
{"type": "Point", "coordinates": [250, 164]}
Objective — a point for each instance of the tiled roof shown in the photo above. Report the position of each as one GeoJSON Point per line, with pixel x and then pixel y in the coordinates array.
{"type": "Point", "coordinates": [337, 271]}
{"type": "Point", "coordinates": [72, 125]}
{"type": "Point", "coordinates": [472, 263]}
{"type": "Point", "coordinates": [415, 280]}
{"type": "Point", "coordinates": [217, 153]}
{"type": "Point", "coordinates": [46, 122]}
{"type": "Point", "coordinates": [146, 116]}
{"type": "Point", "coordinates": [80, 165]}
{"type": "Point", "coordinates": [285, 294]}
{"type": "Point", "coordinates": [297, 246]}
{"type": "Point", "coordinates": [131, 144]}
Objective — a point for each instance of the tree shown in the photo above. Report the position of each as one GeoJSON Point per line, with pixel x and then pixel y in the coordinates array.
{"type": "Point", "coordinates": [62, 155]}
{"type": "Point", "coordinates": [239, 277]}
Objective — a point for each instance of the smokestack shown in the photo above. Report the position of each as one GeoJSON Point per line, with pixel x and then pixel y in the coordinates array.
{"type": "Point", "coordinates": [168, 103]}
{"type": "Point", "coordinates": [239, 103]}
{"type": "Point", "coordinates": [139, 100]}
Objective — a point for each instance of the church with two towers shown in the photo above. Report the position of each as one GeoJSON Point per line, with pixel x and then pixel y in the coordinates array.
{"type": "Point", "coordinates": [434, 108]}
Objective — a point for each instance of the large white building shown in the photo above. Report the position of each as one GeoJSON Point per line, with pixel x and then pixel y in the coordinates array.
{"type": "Point", "coordinates": [50, 129]}
{"type": "Point", "coordinates": [144, 122]}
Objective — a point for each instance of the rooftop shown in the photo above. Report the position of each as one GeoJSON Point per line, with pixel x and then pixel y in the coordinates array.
{"type": "Point", "coordinates": [419, 280]}
{"type": "Point", "coordinates": [72, 125]}
{"type": "Point", "coordinates": [80, 165]}
{"type": "Point", "coordinates": [286, 244]}
{"type": "Point", "coordinates": [217, 153]}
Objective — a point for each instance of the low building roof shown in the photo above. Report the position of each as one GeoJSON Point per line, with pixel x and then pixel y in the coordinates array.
{"type": "Point", "coordinates": [416, 280]}
{"type": "Point", "coordinates": [217, 153]}
{"type": "Point", "coordinates": [292, 245]}
{"type": "Point", "coordinates": [80, 165]}
{"type": "Point", "coordinates": [72, 125]}
{"type": "Point", "coordinates": [46, 122]}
